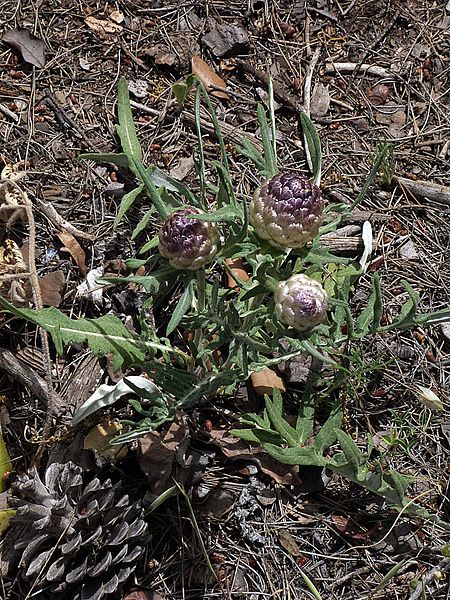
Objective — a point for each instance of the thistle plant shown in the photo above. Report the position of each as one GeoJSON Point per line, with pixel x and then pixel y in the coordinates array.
{"type": "Point", "coordinates": [295, 300]}
{"type": "Point", "coordinates": [188, 243]}
{"type": "Point", "coordinates": [287, 210]}
{"type": "Point", "coordinates": [301, 302]}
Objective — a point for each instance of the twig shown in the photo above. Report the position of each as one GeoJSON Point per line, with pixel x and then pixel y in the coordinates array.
{"type": "Point", "coordinates": [59, 222]}
{"type": "Point", "coordinates": [425, 189]}
{"type": "Point", "coordinates": [308, 82]}
{"type": "Point", "coordinates": [21, 372]}
{"type": "Point", "coordinates": [365, 68]}
{"type": "Point", "coordinates": [53, 402]}
{"type": "Point", "coordinates": [9, 113]}
{"type": "Point", "coordinates": [63, 117]}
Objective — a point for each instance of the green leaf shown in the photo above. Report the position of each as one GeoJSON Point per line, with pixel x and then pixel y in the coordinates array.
{"type": "Point", "coordinates": [250, 151]}
{"type": "Point", "coordinates": [105, 335]}
{"type": "Point", "coordinates": [370, 177]}
{"type": "Point", "coordinates": [126, 203]}
{"type": "Point", "coordinates": [352, 453]}
{"type": "Point", "coordinates": [182, 88]}
{"type": "Point", "coordinates": [228, 214]}
{"type": "Point", "coordinates": [313, 147]}
{"type": "Point", "coordinates": [142, 223]}
{"type": "Point", "coordinates": [121, 160]}
{"type": "Point", "coordinates": [398, 482]}
{"type": "Point", "coordinates": [257, 436]}
{"type": "Point", "coordinates": [409, 309]}
{"type": "Point", "coordinates": [183, 305]}
{"type": "Point", "coordinates": [126, 129]}
{"type": "Point", "coordinates": [161, 179]}
{"type": "Point", "coordinates": [326, 437]}
{"type": "Point", "coordinates": [363, 323]}
{"type": "Point", "coordinates": [107, 395]}
{"type": "Point", "coordinates": [305, 455]}
{"type": "Point", "coordinates": [150, 188]}
{"type": "Point", "coordinates": [269, 154]}
{"type": "Point", "coordinates": [378, 303]}
{"type": "Point", "coordinates": [274, 410]}
{"type": "Point", "coordinates": [217, 128]}
{"type": "Point", "coordinates": [5, 462]}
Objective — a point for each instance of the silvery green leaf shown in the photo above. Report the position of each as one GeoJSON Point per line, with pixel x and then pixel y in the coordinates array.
{"type": "Point", "coordinates": [367, 240]}
{"type": "Point", "coordinates": [106, 395]}
{"type": "Point", "coordinates": [313, 147]}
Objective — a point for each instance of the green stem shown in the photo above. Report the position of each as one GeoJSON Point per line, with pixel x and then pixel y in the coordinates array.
{"type": "Point", "coordinates": [201, 303]}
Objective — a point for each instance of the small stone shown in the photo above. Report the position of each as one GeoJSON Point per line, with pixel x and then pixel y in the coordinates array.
{"type": "Point", "coordinates": [226, 40]}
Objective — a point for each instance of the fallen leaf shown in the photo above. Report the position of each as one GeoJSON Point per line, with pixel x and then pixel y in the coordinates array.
{"type": "Point", "coordinates": [75, 250]}
{"type": "Point", "coordinates": [378, 94]}
{"type": "Point", "coordinates": [157, 453]}
{"type": "Point", "coordinates": [288, 543]}
{"type": "Point", "coordinates": [348, 528]}
{"type": "Point", "coordinates": [265, 381]}
{"type": "Point", "coordinates": [30, 47]}
{"type": "Point", "coordinates": [117, 16]}
{"type": "Point", "coordinates": [320, 100]}
{"type": "Point", "coordinates": [183, 168]}
{"type": "Point", "coordinates": [103, 28]}
{"type": "Point", "coordinates": [209, 78]}
{"type": "Point", "coordinates": [138, 88]}
{"type": "Point", "coordinates": [237, 449]}
{"type": "Point", "coordinates": [237, 268]}
{"type": "Point", "coordinates": [162, 56]}
{"type": "Point", "coordinates": [51, 286]}
{"type": "Point", "coordinates": [408, 251]}
{"type": "Point", "coordinates": [99, 438]}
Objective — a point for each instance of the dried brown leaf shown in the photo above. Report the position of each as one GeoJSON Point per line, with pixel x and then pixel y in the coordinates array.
{"type": "Point", "coordinates": [209, 78]}
{"type": "Point", "coordinates": [51, 286]}
{"type": "Point", "coordinates": [237, 449]}
{"type": "Point", "coordinates": [31, 48]}
{"type": "Point", "coordinates": [75, 250]}
{"type": "Point", "coordinates": [265, 381]}
{"type": "Point", "coordinates": [288, 543]}
{"type": "Point", "coordinates": [157, 452]}
{"type": "Point", "coordinates": [103, 28]}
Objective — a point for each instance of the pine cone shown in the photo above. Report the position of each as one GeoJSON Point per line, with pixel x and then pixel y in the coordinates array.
{"type": "Point", "coordinates": [287, 211]}
{"type": "Point", "coordinates": [79, 541]}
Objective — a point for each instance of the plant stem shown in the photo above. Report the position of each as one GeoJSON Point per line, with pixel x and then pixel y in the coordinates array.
{"type": "Point", "coordinates": [201, 303]}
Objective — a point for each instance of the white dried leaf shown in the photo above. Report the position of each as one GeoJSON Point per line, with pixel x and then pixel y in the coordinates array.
{"type": "Point", "coordinates": [427, 397]}
{"type": "Point", "coordinates": [367, 240]}
{"type": "Point", "coordinates": [320, 100]}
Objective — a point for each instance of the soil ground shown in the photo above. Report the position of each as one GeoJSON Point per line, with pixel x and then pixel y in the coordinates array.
{"type": "Point", "coordinates": [369, 72]}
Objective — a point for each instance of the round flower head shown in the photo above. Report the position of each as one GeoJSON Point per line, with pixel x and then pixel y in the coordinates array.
{"type": "Point", "coordinates": [301, 302]}
{"type": "Point", "coordinates": [188, 243]}
{"type": "Point", "coordinates": [287, 211]}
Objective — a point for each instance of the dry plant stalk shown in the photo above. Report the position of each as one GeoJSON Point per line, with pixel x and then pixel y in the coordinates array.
{"type": "Point", "coordinates": [54, 403]}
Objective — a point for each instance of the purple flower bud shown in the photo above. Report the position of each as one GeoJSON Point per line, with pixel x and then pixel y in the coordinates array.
{"type": "Point", "coordinates": [287, 210]}
{"type": "Point", "coordinates": [301, 302]}
{"type": "Point", "coordinates": [188, 243]}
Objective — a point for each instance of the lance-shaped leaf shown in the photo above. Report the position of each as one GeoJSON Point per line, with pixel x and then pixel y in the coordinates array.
{"type": "Point", "coordinates": [126, 129]}
{"type": "Point", "coordinates": [105, 335]}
